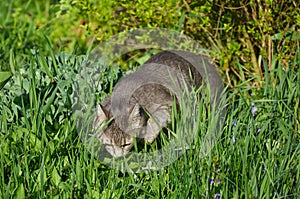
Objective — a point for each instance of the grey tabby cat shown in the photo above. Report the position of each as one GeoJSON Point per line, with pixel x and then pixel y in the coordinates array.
{"type": "Point", "coordinates": [140, 104]}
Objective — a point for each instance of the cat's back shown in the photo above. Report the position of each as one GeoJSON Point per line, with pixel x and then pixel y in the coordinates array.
{"type": "Point", "coordinates": [174, 60]}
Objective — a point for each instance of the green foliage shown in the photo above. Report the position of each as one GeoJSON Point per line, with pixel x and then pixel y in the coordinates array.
{"type": "Point", "coordinates": [35, 87]}
{"type": "Point", "coordinates": [4, 78]}
{"type": "Point", "coordinates": [20, 25]}
{"type": "Point", "coordinates": [77, 22]}
{"type": "Point", "coordinates": [253, 42]}
{"type": "Point", "coordinates": [256, 156]}
{"type": "Point", "coordinates": [249, 32]}
{"type": "Point", "coordinates": [102, 19]}
{"type": "Point", "coordinates": [244, 31]}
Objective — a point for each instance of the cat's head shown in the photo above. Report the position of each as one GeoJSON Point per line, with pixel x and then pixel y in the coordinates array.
{"type": "Point", "coordinates": [116, 141]}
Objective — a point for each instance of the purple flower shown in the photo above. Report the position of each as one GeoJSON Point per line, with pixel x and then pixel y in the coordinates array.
{"type": "Point", "coordinates": [217, 196]}
{"type": "Point", "coordinates": [258, 130]}
{"type": "Point", "coordinates": [234, 123]}
{"type": "Point", "coordinates": [282, 193]}
{"type": "Point", "coordinates": [254, 109]}
{"type": "Point", "coordinates": [212, 181]}
{"type": "Point", "coordinates": [234, 106]}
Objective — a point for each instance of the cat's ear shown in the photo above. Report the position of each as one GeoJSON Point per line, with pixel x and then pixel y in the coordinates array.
{"type": "Point", "coordinates": [100, 112]}
{"type": "Point", "coordinates": [100, 117]}
{"type": "Point", "coordinates": [137, 117]}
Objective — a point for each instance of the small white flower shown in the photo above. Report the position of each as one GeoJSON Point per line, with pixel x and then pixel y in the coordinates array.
{"type": "Point", "coordinates": [254, 109]}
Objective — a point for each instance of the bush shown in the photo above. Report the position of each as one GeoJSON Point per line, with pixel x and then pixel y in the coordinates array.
{"type": "Point", "coordinates": [243, 35]}
{"type": "Point", "coordinates": [246, 32]}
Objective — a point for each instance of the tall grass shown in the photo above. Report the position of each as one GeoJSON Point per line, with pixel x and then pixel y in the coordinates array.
{"type": "Point", "coordinates": [257, 154]}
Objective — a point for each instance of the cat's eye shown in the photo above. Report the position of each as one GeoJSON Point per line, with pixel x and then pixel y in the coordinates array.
{"type": "Point", "coordinates": [125, 145]}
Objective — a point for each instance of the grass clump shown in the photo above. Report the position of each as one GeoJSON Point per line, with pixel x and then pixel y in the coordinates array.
{"type": "Point", "coordinates": [256, 156]}
{"type": "Point", "coordinates": [41, 155]}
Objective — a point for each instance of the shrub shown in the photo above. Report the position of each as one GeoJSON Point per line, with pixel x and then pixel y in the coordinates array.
{"type": "Point", "coordinates": [243, 35]}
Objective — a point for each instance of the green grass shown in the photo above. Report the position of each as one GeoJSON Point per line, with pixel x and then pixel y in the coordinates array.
{"type": "Point", "coordinates": [42, 156]}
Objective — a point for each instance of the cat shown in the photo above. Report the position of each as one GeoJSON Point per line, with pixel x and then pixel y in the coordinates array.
{"type": "Point", "coordinates": [115, 141]}
{"type": "Point", "coordinates": [141, 103]}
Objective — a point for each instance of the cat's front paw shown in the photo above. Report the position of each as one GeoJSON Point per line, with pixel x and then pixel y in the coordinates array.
{"type": "Point", "coordinates": [152, 131]}
{"type": "Point", "coordinates": [149, 140]}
